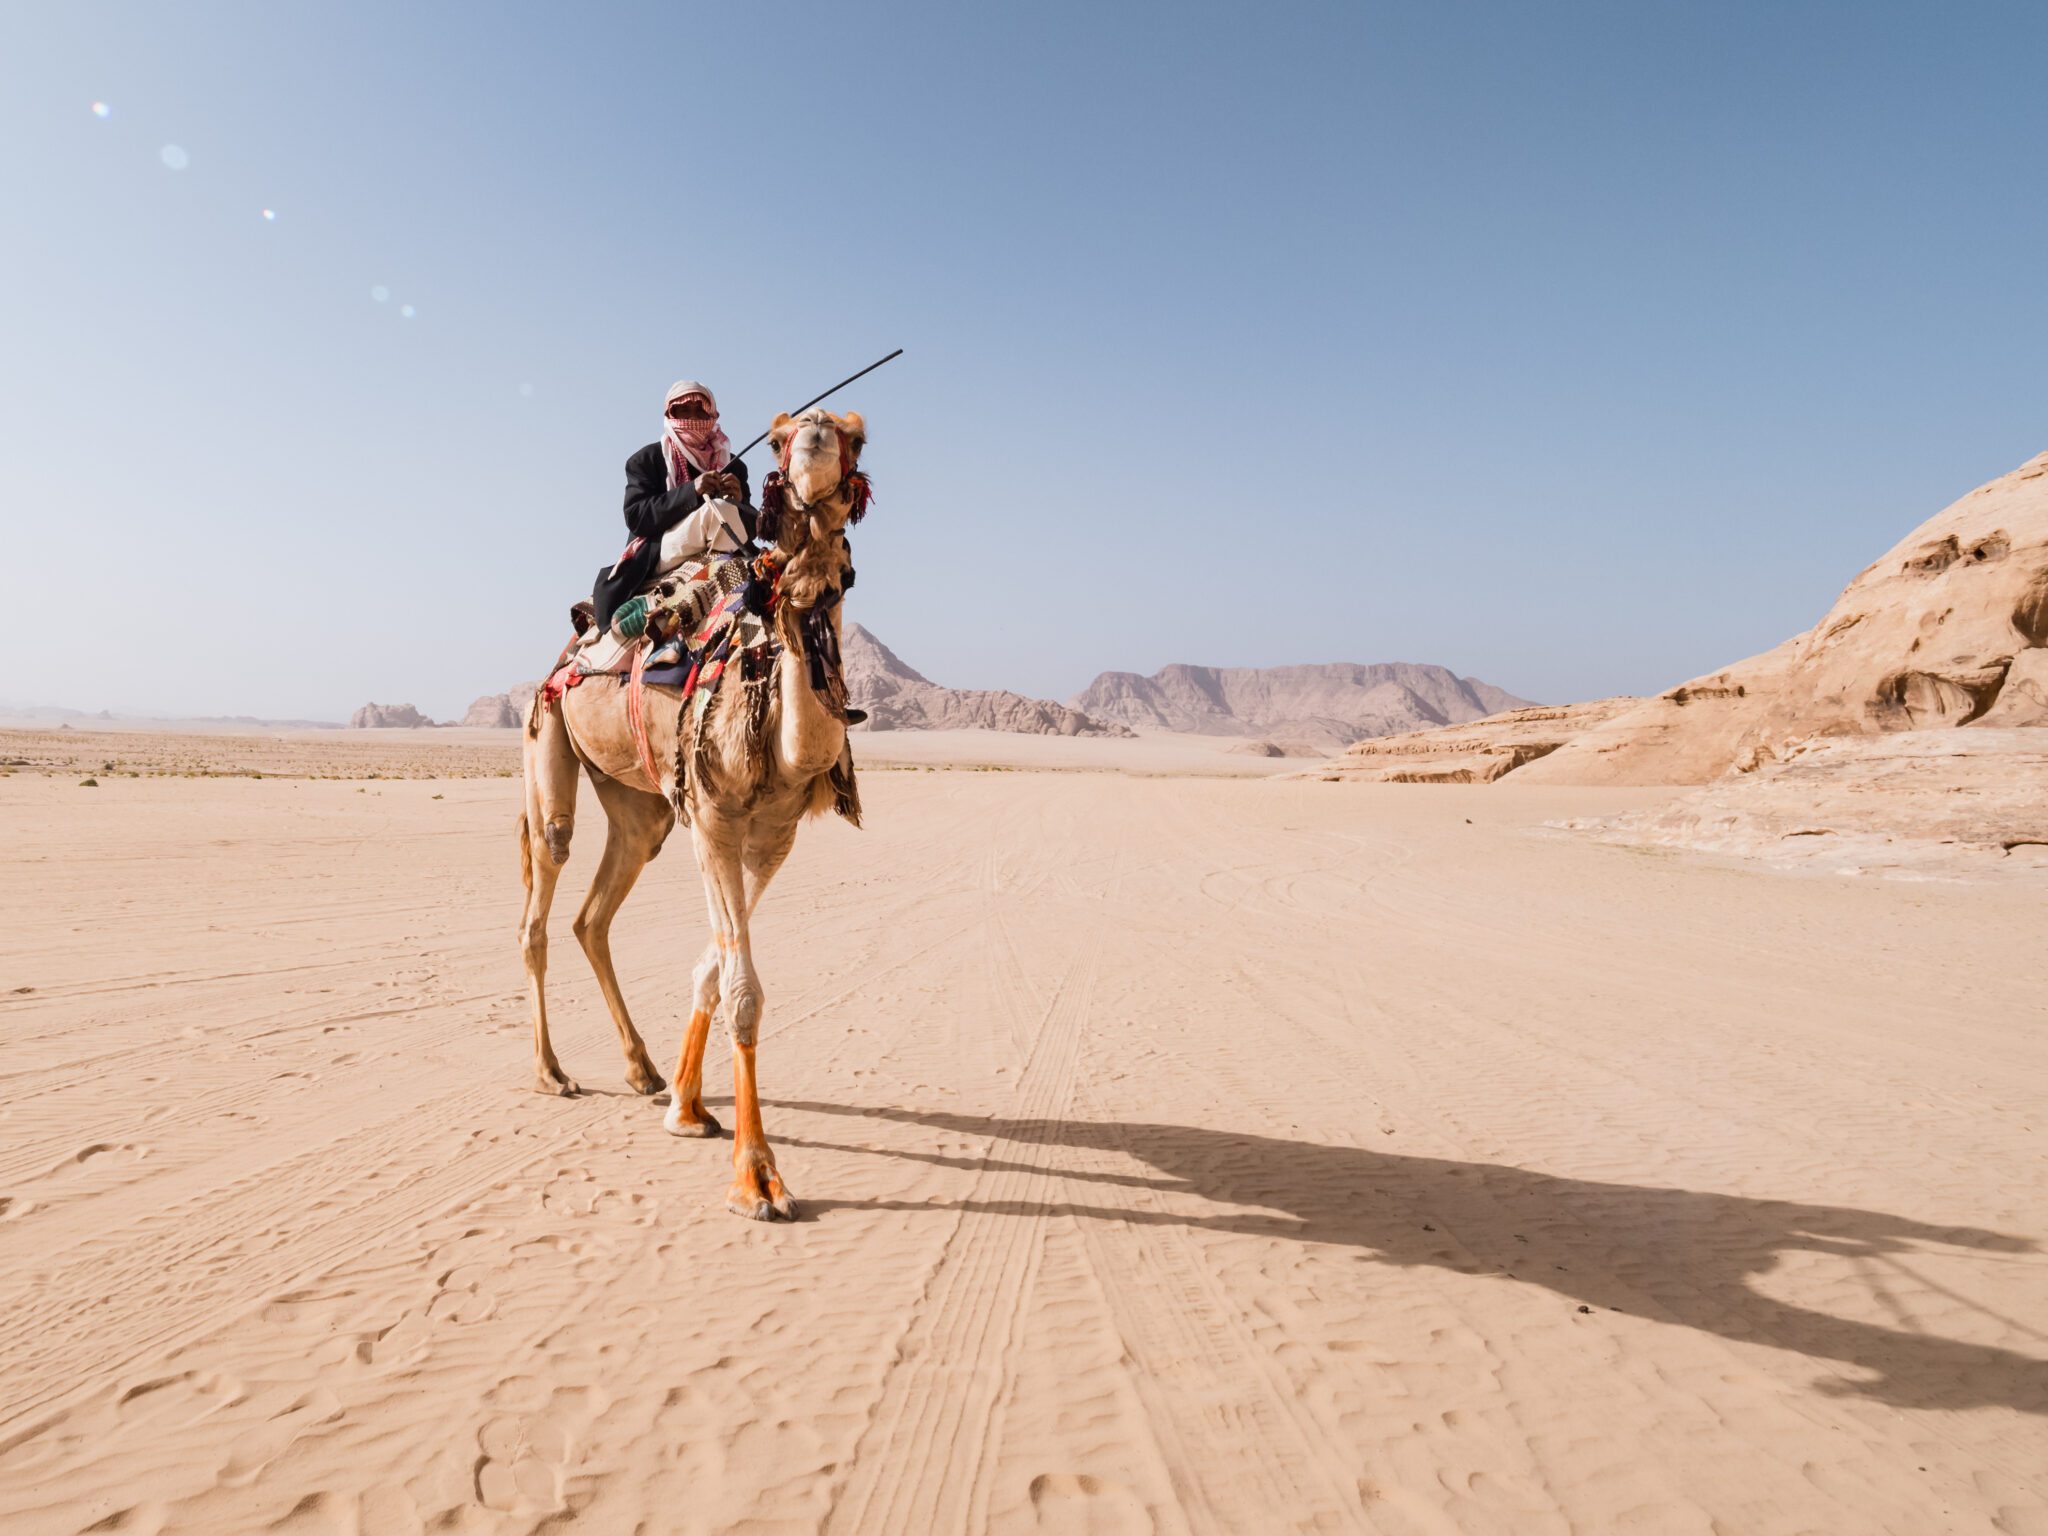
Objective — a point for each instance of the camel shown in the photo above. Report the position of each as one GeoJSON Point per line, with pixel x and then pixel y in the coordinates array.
{"type": "Point", "coordinates": [741, 766]}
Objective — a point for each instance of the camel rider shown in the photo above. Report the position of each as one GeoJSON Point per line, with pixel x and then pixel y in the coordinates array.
{"type": "Point", "coordinates": [686, 499]}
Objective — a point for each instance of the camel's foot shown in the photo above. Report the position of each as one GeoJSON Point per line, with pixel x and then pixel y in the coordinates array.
{"type": "Point", "coordinates": [551, 1079]}
{"type": "Point", "coordinates": [691, 1119]}
{"type": "Point", "coordinates": [642, 1078]}
{"type": "Point", "coordinates": [758, 1195]}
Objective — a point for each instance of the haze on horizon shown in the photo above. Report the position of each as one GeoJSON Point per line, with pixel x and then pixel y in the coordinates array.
{"type": "Point", "coordinates": [1578, 350]}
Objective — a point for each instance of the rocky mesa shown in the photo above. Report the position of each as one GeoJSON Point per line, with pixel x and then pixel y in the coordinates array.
{"type": "Point", "coordinates": [1332, 704]}
{"type": "Point", "coordinates": [502, 710]}
{"type": "Point", "coordinates": [385, 717]}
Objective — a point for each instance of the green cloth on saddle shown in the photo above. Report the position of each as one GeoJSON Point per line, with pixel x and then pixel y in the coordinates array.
{"type": "Point", "coordinates": [629, 619]}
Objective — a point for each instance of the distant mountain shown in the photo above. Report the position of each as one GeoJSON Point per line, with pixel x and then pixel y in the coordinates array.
{"type": "Point", "coordinates": [44, 714]}
{"type": "Point", "coordinates": [898, 697]}
{"type": "Point", "coordinates": [1334, 704]}
{"type": "Point", "coordinates": [377, 717]}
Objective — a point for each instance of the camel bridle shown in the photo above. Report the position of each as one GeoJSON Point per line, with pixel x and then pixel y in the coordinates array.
{"type": "Point", "coordinates": [845, 447]}
{"type": "Point", "coordinates": [777, 490]}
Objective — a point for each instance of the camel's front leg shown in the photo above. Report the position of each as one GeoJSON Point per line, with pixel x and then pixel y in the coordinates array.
{"type": "Point", "coordinates": [757, 1190]}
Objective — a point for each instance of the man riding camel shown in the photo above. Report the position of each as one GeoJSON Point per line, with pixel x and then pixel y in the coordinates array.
{"type": "Point", "coordinates": [686, 499]}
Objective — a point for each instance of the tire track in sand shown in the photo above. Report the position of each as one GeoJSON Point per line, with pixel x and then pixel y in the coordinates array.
{"type": "Point", "coordinates": [921, 1462]}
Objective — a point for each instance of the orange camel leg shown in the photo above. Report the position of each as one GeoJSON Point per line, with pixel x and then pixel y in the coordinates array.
{"type": "Point", "coordinates": [687, 1115]}
{"type": "Point", "coordinates": [756, 1190]}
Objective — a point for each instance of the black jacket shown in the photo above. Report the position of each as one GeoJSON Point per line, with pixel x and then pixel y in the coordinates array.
{"type": "Point", "coordinates": [651, 510]}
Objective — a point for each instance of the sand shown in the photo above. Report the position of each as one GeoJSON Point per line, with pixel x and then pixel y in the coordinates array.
{"type": "Point", "coordinates": [1177, 1153]}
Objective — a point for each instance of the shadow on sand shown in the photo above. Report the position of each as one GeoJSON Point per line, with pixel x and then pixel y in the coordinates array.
{"type": "Point", "coordinates": [1673, 1255]}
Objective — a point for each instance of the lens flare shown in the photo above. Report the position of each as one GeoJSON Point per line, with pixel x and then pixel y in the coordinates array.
{"type": "Point", "coordinates": [102, 111]}
{"type": "Point", "coordinates": [270, 215]}
{"type": "Point", "coordinates": [407, 311]}
{"type": "Point", "coordinates": [175, 157]}
{"type": "Point", "coordinates": [380, 293]}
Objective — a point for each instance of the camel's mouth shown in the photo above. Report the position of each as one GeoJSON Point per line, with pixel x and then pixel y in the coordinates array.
{"type": "Point", "coordinates": [815, 482]}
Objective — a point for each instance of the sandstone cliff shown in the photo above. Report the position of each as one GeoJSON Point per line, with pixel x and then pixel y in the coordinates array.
{"type": "Point", "coordinates": [1949, 628]}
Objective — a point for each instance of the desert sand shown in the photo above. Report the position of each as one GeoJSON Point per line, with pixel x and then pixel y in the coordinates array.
{"type": "Point", "coordinates": [1176, 1153]}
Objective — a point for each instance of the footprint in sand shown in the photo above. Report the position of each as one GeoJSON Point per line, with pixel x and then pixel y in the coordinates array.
{"type": "Point", "coordinates": [520, 1463]}
{"type": "Point", "coordinates": [259, 1448]}
{"type": "Point", "coordinates": [312, 1308]}
{"type": "Point", "coordinates": [460, 1296]}
{"type": "Point", "coordinates": [1081, 1504]}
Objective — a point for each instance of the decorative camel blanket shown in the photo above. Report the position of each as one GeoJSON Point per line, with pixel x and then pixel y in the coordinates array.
{"type": "Point", "coordinates": [695, 619]}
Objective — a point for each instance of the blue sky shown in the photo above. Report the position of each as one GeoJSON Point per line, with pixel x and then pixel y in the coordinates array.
{"type": "Point", "coordinates": [1581, 348]}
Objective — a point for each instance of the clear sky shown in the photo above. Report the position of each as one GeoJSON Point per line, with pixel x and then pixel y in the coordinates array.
{"type": "Point", "coordinates": [1579, 347]}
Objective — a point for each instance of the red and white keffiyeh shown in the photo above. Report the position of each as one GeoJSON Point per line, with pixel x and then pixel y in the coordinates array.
{"type": "Point", "coordinates": [692, 448]}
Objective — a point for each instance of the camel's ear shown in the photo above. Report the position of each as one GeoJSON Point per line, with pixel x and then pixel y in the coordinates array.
{"type": "Point", "coordinates": [779, 430]}
{"type": "Point", "coordinates": [855, 429]}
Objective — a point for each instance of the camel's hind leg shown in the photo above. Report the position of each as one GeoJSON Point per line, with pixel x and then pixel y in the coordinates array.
{"type": "Point", "coordinates": [687, 1115]}
{"type": "Point", "coordinates": [635, 825]}
{"type": "Point", "coordinates": [544, 832]}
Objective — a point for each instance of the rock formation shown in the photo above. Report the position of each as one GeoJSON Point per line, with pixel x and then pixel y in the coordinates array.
{"type": "Point", "coordinates": [502, 709]}
{"type": "Point", "coordinates": [1949, 628]}
{"type": "Point", "coordinates": [1946, 629]}
{"type": "Point", "coordinates": [1475, 753]}
{"type": "Point", "coordinates": [1330, 705]}
{"type": "Point", "coordinates": [372, 717]}
{"type": "Point", "coordinates": [1259, 746]}
{"type": "Point", "coordinates": [1926, 804]}
{"type": "Point", "coordinates": [897, 697]}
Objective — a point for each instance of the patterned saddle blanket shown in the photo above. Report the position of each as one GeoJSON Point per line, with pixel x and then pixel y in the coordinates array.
{"type": "Point", "coordinates": [696, 620]}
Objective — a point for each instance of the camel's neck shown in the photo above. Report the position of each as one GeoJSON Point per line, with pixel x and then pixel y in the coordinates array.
{"type": "Point", "coordinates": [812, 735]}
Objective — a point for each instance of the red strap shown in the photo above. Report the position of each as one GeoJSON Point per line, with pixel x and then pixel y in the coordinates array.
{"type": "Point", "coordinates": [636, 715]}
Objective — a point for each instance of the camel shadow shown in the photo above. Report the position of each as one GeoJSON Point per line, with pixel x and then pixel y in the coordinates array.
{"type": "Point", "coordinates": [1677, 1256]}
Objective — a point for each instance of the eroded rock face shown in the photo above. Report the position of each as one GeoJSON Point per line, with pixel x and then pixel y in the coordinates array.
{"type": "Point", "coordinates": [373, 717]}
{"type": "Point", "coordinates": [502, 709]}
{"type": "Point", "coordinates": [898, 697]}
{"type": "Point", "coordinates": [1331, 705]}
{"type": "Point", "coordinates": [1475, 753]}
{"type": "Point", "coordinates": [1947, 629]}
{"type": "Point", "coordinates": [1928, 804]}
{"type": "Point", "coordinates": [493, 709]}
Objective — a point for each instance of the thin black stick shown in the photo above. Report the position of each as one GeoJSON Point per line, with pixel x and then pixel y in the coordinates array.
{"type": "Point", "coordinates": [871, 367]}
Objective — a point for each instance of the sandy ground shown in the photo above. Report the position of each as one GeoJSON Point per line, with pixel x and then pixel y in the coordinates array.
{"type": "Point", "coordinates": [1176, 1154]}
{"type": "Point", "coordinates": [457, 751]}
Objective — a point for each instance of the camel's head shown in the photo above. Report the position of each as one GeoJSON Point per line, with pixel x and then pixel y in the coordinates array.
{"type": "Point", "coordinates": [818, 450]}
